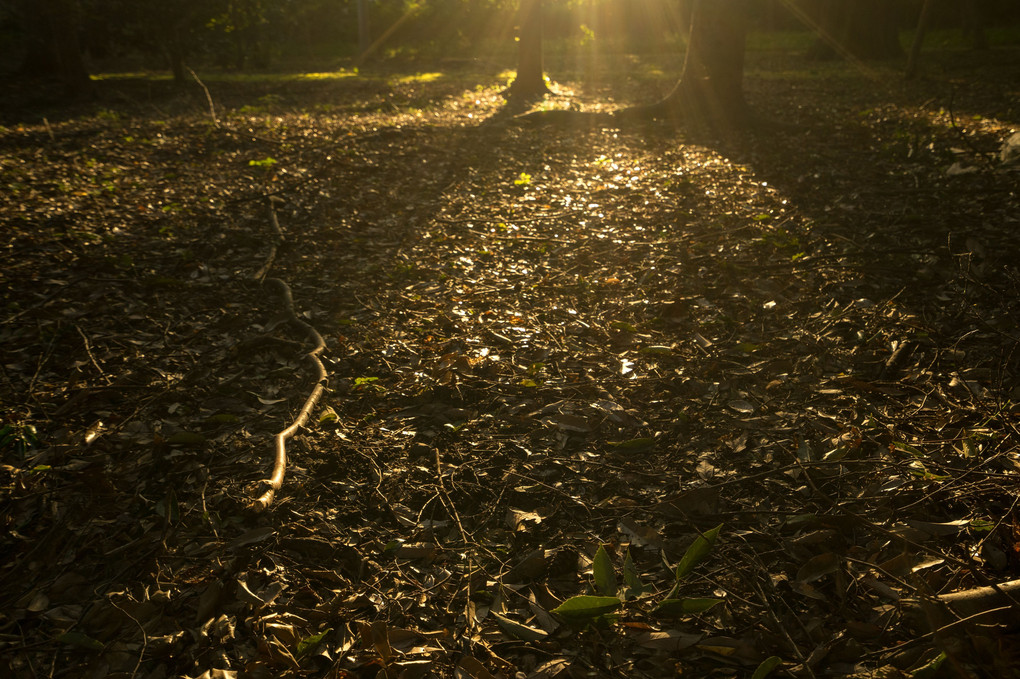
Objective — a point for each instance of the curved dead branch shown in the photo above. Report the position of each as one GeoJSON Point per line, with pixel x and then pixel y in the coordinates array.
{"type": "Point", "coordinates": [275, 480]}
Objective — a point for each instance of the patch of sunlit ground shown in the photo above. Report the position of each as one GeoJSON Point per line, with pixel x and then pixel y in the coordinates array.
{"type": "Point", "coordinates": [208, 76]}
{"type": "Point", "coordinates": [417, 78]}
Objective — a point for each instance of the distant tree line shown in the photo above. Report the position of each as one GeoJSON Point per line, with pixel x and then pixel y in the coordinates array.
{"type": "Point", "coordinates": [64, 38]}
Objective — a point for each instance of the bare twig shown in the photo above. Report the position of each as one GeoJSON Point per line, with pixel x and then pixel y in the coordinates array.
{"type": "Point", "coordinates": [208, 97]}
{"type": "Point", "coordinates": [275, 481]}
{"type": "Point", "coordinates": [278, 239]}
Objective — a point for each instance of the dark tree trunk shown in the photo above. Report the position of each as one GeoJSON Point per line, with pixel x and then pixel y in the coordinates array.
{"type": "Point", "coordinates": [175, 53]}
{"type": "Point", "coordinates": [364, 34]}
{"type": "Point", "coordinates": [530, 81]}
{"type": "Point", "coordinates": [974, 21]}
{"type": "Point", "coordinates": [54, 49]}
{"type": "Point", "coordinates": [858, 29]}
{"type": "Point", "coordinates": [711, 86]}
{"type": "Point", "coordinates": [63, 18]}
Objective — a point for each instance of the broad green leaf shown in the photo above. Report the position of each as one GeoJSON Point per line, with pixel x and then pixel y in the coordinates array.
{"type": "Point", "coordinates": [308, 644]}
{"type": "Point", "coordinates": [836, 454]}
{"type": "Point", "coordinates": [804, 452]}
{"type": "Point", "coordinates": [931, 669]}
{"type": "Point", "coordinates": [605, 577]}
{"type": "Point", "coordinates": [981, 525]}
{"type": "Point", "coordinates": [517, 630]}
{"type": "Point", "coordinates": [678, 607]}
{"type": "Point", "coordinates": [635, 587]}
{"type": "Point", "coordinates": [656, 350]}
{"type": "Point", "coordinates": [581, 608]}
{"type": "Point", "coordinates": [818, 566]}
{"type": "Point", "coordinates": [79, 640]}
{"type": "Point", "coordinates": [222, 418]}
{"type": "Point", "coordinates": [264, 163]}
{"type": "Point", "coordinates": [623, 326]}
{"type": "Point", "coordinates": [697, 552]}
{"type": "Point", "coordinates": [633, 445]}
{"type": "Point", "coordinates": [907, 448]}
{"type": "Point", "coordinates": [186, 438]}
{"type": "Point", "coordinates": [766, 667]}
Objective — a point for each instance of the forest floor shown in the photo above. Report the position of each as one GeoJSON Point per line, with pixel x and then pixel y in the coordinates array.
{"type": "Point", "coordinates": [770, 379]}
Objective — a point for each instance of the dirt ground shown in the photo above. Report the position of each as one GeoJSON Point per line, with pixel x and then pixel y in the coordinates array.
{"type": "Point", "coordinates": [769, 378]}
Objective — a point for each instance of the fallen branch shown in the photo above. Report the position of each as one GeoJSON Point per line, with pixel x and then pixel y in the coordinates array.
{"type": "Point", "coordinates": [996, 603]}
{"type": "Point", "coordinates": [275, 481]}
{"type": "Point", "coordinates": [278, 239]}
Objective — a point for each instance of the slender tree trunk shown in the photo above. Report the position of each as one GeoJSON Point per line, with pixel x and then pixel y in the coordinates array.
{"type": "Point", "coordinates": [530, 81]}
{"type": "Point", "coordinates": [62, 16]}
{"type": "Point", "coordinates": [590, 42]}
{"type": "Point", "coordinates": [175, 53]}
{"type": "Point", "coordinates": [711, 86]}
{"type": "Point", "coordinates": [364, 34]}
{"type": "Point", "coordinates": [919, 33]}
{"type": "Point", "coordinates": [974, 20]}
{"type": "Point", "coordinates": [859, 29]}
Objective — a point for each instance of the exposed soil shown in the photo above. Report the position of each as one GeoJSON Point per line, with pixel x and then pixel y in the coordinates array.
{"type": "Point", "coordinates": [540, 341]}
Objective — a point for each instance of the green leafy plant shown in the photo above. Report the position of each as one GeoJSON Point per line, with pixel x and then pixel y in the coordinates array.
{"type": "Point", "coordinates": [18, 438]}
{"type": "Point", "coordinates": [601, 608]}
{"type": "Point", "coordinates": [523, 179]}
{"type": "Point", "coordinates": [265, 163]}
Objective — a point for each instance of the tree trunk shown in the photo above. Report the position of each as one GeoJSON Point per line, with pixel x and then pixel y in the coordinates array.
{"type": "Point", "coordinates": [857, 29]}
{"type": "Point", "coordinates": [530, 81]}
{"type": "Point", "coordinates": [974, 20]}
{"type": "Point", "coordinates": [364, 34]}
{"type": "Point", "coordinates": [919, 33]}
{"type": "Point", "coordinates": [62, 20]}
{"type": "Point", "coordinates": [711, 86]}
{"type": "Point", "coordinates": [175, 53]}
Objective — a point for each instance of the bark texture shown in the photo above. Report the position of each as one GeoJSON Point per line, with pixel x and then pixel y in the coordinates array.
{"type": "Point", "coordinates": [530, 81]}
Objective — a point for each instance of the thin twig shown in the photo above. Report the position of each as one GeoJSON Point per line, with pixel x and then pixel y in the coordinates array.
{"type": "Point", "coordinates": [275, 481]}
{"type": "Point", "coordinates": [92, 358]}
{"type": "Point", "coordinates": [448, 503]}
{"type": "Point", "coordinates": [208, 97]}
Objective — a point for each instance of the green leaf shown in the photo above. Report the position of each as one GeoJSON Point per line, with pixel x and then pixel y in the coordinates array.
{"type": "Point", "coordinates": [622, 325]}
{"type": "Point", "coordinates": [633, 445]}
{"type": "Point", "coordinates": [222, 418]}
{"type": "Point", "coordinates": [517, 630]}
{"type": "Point", "coordinates": [656, 350]}
{"type": "Point", "coordinates": [584, 608]}
{"type": "Point", "coordinates": [929, 670]}
{"type": "Point", "coordinates": [818, 567]}
{"type": "Point", "coordinates": [605, 577]}
{"type": "Point", "coordinates": [523, 180]}
{"type": "Point", "coordinates": [679, 607]}
{"type": "Point", "coordinates": [186, 438]}
{"type": "Point", "coordinates": [265, 163]}
{"type": "Point", "coordinates": [766, 667]}
{"type": "Point", "coordinates": [697, 552]}
{"type": "Point", "coordinates": [635, 587]}
{"type": "Point", "coordinates": [907, 448]}
{"type": "Point", "coordinates": [804, 452]}
{"type": "Point", "coordinates": [308, 644]}
{"type": "Point", "coordinates": [79, 640]}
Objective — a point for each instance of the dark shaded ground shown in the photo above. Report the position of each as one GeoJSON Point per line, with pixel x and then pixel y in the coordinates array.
{"type": "Point", "coordinates": [540, 341]}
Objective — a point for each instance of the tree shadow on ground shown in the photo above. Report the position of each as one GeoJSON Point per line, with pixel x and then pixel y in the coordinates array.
{"type": "Point", "coordinates": [541, 341]}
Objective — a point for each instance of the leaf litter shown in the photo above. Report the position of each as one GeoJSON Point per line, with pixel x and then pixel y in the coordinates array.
{"type": "Point", "coordinates": [599, 401]}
